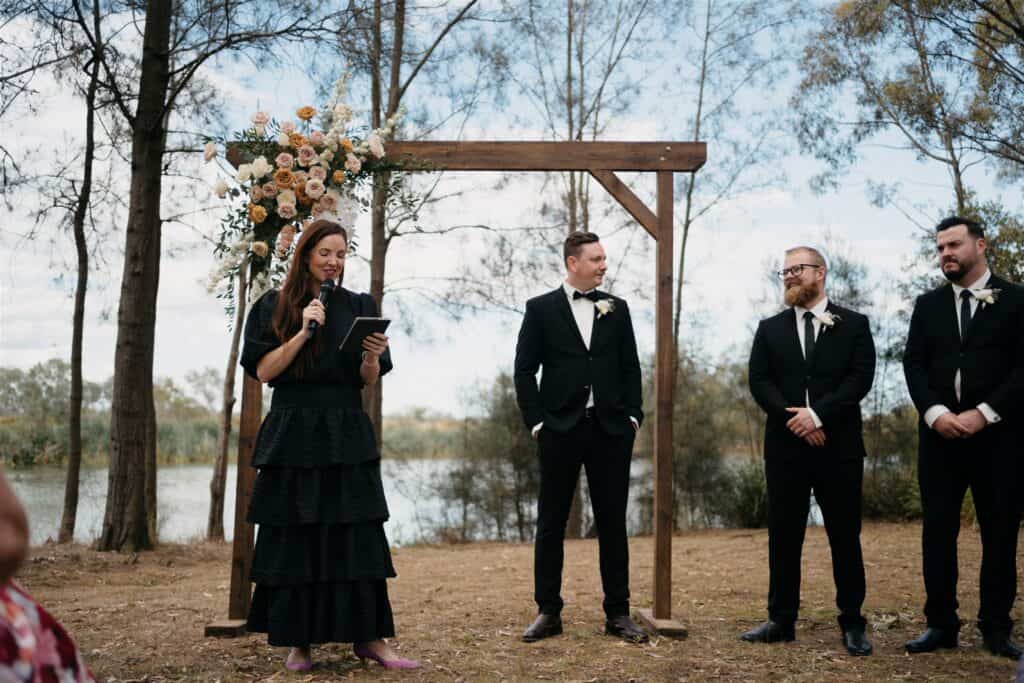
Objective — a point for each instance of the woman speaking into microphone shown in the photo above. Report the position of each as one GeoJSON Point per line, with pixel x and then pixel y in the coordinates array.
{"type": "Point", "coordinates": [321, 559]}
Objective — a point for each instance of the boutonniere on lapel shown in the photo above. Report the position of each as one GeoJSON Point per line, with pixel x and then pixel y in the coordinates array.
{"type": "Point", "coordinates": [828, 319]}
{"type": "Point", "coordinates": [986, 296]}
{"type": "Point", "coordinates": [604, 307]}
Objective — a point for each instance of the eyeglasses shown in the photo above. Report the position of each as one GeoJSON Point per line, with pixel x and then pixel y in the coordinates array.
{"type": "Point", "coordinates": [796, 270]}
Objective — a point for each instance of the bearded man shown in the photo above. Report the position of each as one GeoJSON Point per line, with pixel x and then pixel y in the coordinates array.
{"type": "Point", "coordinates": [964, 364]}
{"type": "Point", "coordinates": [810, 366]}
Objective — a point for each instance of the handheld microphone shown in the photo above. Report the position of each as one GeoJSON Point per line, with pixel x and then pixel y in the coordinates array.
{"type": "Point", "coordinates": [326, 288]}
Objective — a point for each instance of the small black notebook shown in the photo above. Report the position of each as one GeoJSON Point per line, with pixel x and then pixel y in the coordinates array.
{"type": "Point", "coordinates": [360, 330]}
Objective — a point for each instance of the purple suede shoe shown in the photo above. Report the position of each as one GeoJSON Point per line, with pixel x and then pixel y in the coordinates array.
{"type": "Point", "coordinates": [365, 653]}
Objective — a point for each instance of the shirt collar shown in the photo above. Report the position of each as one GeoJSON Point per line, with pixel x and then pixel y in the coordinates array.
{"type": "Point", "coordinates": [817, 309]}
{"type": "Point", "coordinates": [569, 289]}
{"type": "Point", "coordinates": [977, 284]}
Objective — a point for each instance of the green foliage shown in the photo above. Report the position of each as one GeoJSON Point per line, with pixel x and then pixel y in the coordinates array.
{"type": "Point", "coordinates": [491, 490]}
{"type": "Point", "coordinates": [745, 500]}
{"type": "Point", "coordinates": [34, 409]}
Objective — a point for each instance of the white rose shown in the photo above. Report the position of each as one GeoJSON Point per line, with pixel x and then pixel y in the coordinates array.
{"type": "Point", "coordinates": [260, 168]}
{"type": "Point", "coordinates": [209, 151]}
{"type": "Point", "coordinates": [286, 197]}
{"type": "Point", "coordinates": [220, 188]}
{"type": "Point", "coordinates": [375, 144]}
{"type": "Point", "coordinates": [244, 173]}
{"type": "Point", "coordinates": [284, 140]}
{"type": "Point", "coordinates": [326, 157]}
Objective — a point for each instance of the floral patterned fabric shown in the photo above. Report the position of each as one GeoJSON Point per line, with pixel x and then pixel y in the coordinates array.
{"type": "Point", "coordinates": [34, 648]}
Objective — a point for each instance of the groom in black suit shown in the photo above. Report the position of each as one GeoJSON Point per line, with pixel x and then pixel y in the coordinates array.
{"type": "Point", "coordinates": [585, 413]}
{"type": "Point", "coordinates": [810, 366]}
{"type": "Point", "coordinates": [964, 364]}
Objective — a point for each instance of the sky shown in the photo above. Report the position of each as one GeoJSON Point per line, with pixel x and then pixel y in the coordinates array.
{"type": "Point", "coordinates": [438, 362]}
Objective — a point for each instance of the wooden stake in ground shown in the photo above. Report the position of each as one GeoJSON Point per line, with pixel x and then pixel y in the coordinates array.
{"type": "Point", "coordinates": [601, 160]}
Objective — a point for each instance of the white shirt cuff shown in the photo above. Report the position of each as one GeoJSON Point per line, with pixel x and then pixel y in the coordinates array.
{"type": "Point", "coordinates": [814, 416]}
{"type": "Point", "coordinates": [536, 428]}
{"type": "Point", "coordinates": [990, 415]}
{"type": "Point", "coordinates": [933, 414]}
{"type": "Point", "coordinates": [636, 423]}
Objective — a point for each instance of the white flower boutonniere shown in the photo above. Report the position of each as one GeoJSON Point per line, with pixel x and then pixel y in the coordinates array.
{"type": "Point", "coordinates": [604, 307]}
{"type": "Point", "coordinates": [828, 319]}
{"type": "Point", "coordinates": [986, 296]}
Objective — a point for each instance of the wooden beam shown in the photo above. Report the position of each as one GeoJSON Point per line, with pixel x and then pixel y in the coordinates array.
{"type": "Point", "coordinates": [664, 383]}
{"type": "Point", "coordinates": [242, 544]}
{"type": "Point", "coordinates": [551, 156]}
{"type": "Point", "coordinates": [629, 201]}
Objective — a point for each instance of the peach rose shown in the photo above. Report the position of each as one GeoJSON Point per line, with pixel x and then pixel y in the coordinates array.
{"type": "Point", "coordinates": [284, 160]}
{"type": "Point", "coordinates": [306, 113]}
{"type": "Point", "coordinates": [352, 163]}
{"type": "Point", "coordinates": [284, 178]}
{"type": "Point", "coordinates": [338, 177]}
{"type": "Point", "coordinates": [255, 193]}
{"type": "Point", "coordinates": [318, 173]}
{"type": "Point", "coordinates": [269, 190]}
{"type": "Point", "coordinates": [257, 214]}
{"type": "Point", "coordinates": [260, 249]}
{"type": "Point", "coordinates": [286, 211]}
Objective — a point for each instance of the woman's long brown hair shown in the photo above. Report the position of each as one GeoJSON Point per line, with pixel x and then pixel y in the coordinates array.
{"type": "Point", "coordinates": [299, 289]}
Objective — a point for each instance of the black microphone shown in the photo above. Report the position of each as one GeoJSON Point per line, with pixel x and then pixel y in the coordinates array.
{"type": "Point", "coordinates": [326, 288]}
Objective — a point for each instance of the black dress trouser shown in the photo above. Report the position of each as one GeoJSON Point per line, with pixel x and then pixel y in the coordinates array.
{"type": "Point", "coordinates": [606, 459]}
{"type": "Point", "coordinates": [946, 469]}
{"type": "Point", "coordinates": [837, 490]}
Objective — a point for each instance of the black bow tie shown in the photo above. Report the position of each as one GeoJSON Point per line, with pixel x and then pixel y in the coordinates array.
{"type": "Point", "coordinates": [592, 295]}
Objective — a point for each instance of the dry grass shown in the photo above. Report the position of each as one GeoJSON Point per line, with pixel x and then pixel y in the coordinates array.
{"type": "Point", "coordinates": [460, 609]}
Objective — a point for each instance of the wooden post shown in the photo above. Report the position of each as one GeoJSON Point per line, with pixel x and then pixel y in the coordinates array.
{"type": "Point", "coordinates": [240, 592]}
{"type": "Point", "coordinates": [659, 619]}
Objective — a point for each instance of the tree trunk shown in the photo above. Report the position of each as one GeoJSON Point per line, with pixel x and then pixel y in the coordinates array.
{"type": "Point", "coordinates": [215, 522]}
{"type": "Point", "coordinates": [70, 513]}
{"type": "Point", "coordinates": [129, 520]}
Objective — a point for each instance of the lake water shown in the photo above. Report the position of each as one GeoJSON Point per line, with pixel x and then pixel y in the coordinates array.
{"type": "Point", "coordinates": [183, 500]}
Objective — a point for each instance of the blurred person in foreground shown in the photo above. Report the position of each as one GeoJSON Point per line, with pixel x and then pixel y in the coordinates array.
{"type": "Point", "coordinates": [33, 645]}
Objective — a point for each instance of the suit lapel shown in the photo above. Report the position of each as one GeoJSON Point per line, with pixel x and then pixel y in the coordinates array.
{"type": "Point", "coordinates": [982, 315]}
{"type": "Point", "coordinates": [790, 333]}
{"type": "Point", "coordinates": [565, 312]}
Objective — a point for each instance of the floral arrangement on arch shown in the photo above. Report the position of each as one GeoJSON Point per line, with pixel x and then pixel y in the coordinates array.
{"type": "Point", "coordinates": [288, 174]}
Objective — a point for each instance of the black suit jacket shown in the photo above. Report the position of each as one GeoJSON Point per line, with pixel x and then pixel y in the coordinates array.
{"type": "Point", "coordinates": [990, 359]}
{"type": "Point", "coordinates": [550, 338]}
{"type": "Point", "coordinates": [837, 376]}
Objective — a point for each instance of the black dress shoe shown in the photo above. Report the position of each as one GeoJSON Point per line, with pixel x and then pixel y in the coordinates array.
{"type": "Point", "coordinates": [544, 626]}
{"type": "Point", "coordinates": [856, 644]}
{"type": "Point", "coordinates": [932, 639]}
{"type": "Point", "coordinates": [999, 644]}
{"type": "Point", "coordinates": [625, 628]}
{"type": "Point", "coordinates": [770, 632]}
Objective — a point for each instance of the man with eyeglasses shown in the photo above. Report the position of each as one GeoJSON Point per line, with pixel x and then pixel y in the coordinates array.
{"type": "Point", "coordinates": [964, 363]}
{"type": "Point", "coordinates": [810, 366]}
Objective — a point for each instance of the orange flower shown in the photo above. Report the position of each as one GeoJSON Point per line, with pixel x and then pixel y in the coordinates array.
{"type": "Point", "coordinates": [346, 144]}
{"type": "Point", "coordinates": [301, 197]}
{"type": "Point", "coordinates": [296, 140]}
{"type": "Point", "coordinates": [257, 214]}
{"type": "Point", "coordinates": [284, 178]}
{"type": "Point", "coordinates": [306, 113]}
{"type": "Point", "coordinates": [338, 177]}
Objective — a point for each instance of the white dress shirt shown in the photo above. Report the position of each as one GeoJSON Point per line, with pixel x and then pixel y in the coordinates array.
{"type": "Point", "coordinates": [933, 412]}
{"type": "Point", "coordinates": [583, 312]}
{"type": "Point", "coordinates": [816, 310]}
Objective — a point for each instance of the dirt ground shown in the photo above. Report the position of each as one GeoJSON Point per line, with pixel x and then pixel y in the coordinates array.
{"type": "Point", "coordinates": [461, 609]}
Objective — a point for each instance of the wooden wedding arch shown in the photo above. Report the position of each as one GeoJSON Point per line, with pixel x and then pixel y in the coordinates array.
{"type": "Point", "coordinates": [601, 160]}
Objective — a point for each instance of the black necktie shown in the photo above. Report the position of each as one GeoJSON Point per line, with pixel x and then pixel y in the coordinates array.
{"type": "Point", "coordinates": [808, 335]}
{"type": "Point", "coordinates": [592, 295]}
{"type": "Point", "coordinates": [965, 313]}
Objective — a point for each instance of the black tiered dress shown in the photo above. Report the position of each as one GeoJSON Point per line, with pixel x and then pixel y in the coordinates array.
{"type": "Point", "coordinates": [321, 559]}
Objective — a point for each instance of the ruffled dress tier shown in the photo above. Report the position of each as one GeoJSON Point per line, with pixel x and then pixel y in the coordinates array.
{"type": "Point", "coordinates": [321, 559]}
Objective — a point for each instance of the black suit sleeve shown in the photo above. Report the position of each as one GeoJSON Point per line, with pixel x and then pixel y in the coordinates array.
{"type": "Point", "coordinates": [915, 363]}
{"type": "Point", "coordinates": [857, 382]}
{"type": "Point", "coordinates": [762, 385]}
{"type": "Point", "coordinates": [1005, 399]}
{"type": "Point", "coordinates": [629, 361]}
{"type": "Point", "coordinates": [528, 356]}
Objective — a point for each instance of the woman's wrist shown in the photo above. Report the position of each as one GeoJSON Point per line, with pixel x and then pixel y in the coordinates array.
{"type": "Point", "coordinates": [367, 356]}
